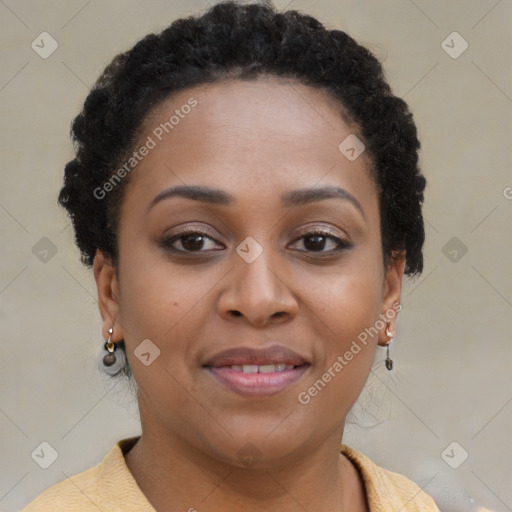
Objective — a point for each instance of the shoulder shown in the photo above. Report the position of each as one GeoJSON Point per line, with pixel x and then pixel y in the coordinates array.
{"type": "Point", "coordinates": [387, 490]}
{"type": "Point", "coordinates": [107, 486]}
{"type": "Point", "coordinates": [77, 492]}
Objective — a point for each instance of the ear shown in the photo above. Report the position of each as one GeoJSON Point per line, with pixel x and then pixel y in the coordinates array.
{"type": "Point", "coordinates": [391, 294]}
{"type": "Point", "coordinates": [108, 295]}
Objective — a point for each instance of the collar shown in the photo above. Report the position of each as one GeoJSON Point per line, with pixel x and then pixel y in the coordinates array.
{"type": "Point", "coordinates": [116, 485]}
{"type": "Point", "coordinates": [379, 487]}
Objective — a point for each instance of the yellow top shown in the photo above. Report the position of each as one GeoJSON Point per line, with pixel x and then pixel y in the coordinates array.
{"type": "Point", "coordinates": [110, 487]}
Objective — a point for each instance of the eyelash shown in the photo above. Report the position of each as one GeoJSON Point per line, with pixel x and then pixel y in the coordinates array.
{"type": "Point", "coordinates": [341, 244]}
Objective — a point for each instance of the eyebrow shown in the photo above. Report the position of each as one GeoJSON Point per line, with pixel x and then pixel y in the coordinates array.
{"type": "Point", "coordinates": [292, 198]}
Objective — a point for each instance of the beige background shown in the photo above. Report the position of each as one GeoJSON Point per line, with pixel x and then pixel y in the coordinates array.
{"type": "Point", "coordinates": [453, 349]}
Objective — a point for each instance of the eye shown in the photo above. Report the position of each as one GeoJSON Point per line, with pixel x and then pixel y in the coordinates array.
{"type": "Point", "coordinates": [190, 241]}
{"type": "Point", "coordinates": [316, 241]}
{"type": "Point", "coordinates": [195, 240]}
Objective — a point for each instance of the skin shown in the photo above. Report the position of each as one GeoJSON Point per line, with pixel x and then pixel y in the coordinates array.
{"type": "Point", "coordinates": [255, 140]}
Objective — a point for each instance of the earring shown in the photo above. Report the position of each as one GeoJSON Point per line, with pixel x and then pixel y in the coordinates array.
{"type": "Point", "coordinates": [111, 360]}
{"type": "Point", "coordinates": [389, 334]}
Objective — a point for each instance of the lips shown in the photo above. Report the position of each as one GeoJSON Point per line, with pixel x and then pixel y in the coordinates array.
{"type": "Point", "coordinates": [245, 356]}
{"type": "Point", "coordinates": [257, 373]}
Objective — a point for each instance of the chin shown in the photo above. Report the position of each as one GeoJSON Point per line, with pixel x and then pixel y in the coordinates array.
{"type": "Point", "coordinates": [258, 448]}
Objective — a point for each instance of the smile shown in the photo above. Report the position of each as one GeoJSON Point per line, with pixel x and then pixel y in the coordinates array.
{"type": "Point", "coordinates": [257, 381]}
{"type": "Point", "coordinates": [262, 368]}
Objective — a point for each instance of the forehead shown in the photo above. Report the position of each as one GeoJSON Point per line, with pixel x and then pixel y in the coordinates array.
{"type": "Point", "coordinates": [266, 107]}
{"type": "Point", "coordinates": [262, 135]}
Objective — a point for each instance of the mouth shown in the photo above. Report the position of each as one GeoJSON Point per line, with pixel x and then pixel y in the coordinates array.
{"type": "Point", "coordinates": [261, 368]}
{"type": "Point", "coordinates": [257, 372]}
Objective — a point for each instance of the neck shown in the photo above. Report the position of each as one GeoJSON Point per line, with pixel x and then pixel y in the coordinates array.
{"type": "Point", "coordinates": [175, 475]}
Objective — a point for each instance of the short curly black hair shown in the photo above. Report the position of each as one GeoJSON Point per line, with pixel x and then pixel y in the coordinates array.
{"type": "Point", "coordinates": [232, 40]}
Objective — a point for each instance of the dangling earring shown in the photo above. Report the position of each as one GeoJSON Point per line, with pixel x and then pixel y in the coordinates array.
{"type": "Point", "coordinates": [111, 360]}
{"type": "Point", "coordinates": [389, 334]}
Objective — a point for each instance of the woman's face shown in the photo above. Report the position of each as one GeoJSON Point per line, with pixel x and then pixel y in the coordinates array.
{"type": "Point", "coordinates": [254, 277]}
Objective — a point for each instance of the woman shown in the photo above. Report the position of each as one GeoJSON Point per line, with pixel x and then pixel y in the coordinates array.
{"type": "Point", "coordinates": [246, 191]}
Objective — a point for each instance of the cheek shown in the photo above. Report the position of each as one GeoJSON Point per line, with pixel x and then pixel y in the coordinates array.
{"type": "Point", "coordinates": [157, 303]}
{"type": "Point", "coordinates": [166, 303]}
{"type": "Point", "coordinates": [350, 296]}
{"type": "Point", "coordinates": [154, 301]}
{"type": "Point", "coordinates": [349, 308]}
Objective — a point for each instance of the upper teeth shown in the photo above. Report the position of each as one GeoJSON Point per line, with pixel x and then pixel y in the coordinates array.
{"type": "Point", "coordinates": [261, 368]}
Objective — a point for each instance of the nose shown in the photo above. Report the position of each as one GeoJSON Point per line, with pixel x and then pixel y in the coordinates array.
{"type": "Point", "coordinates": [259, 293]}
